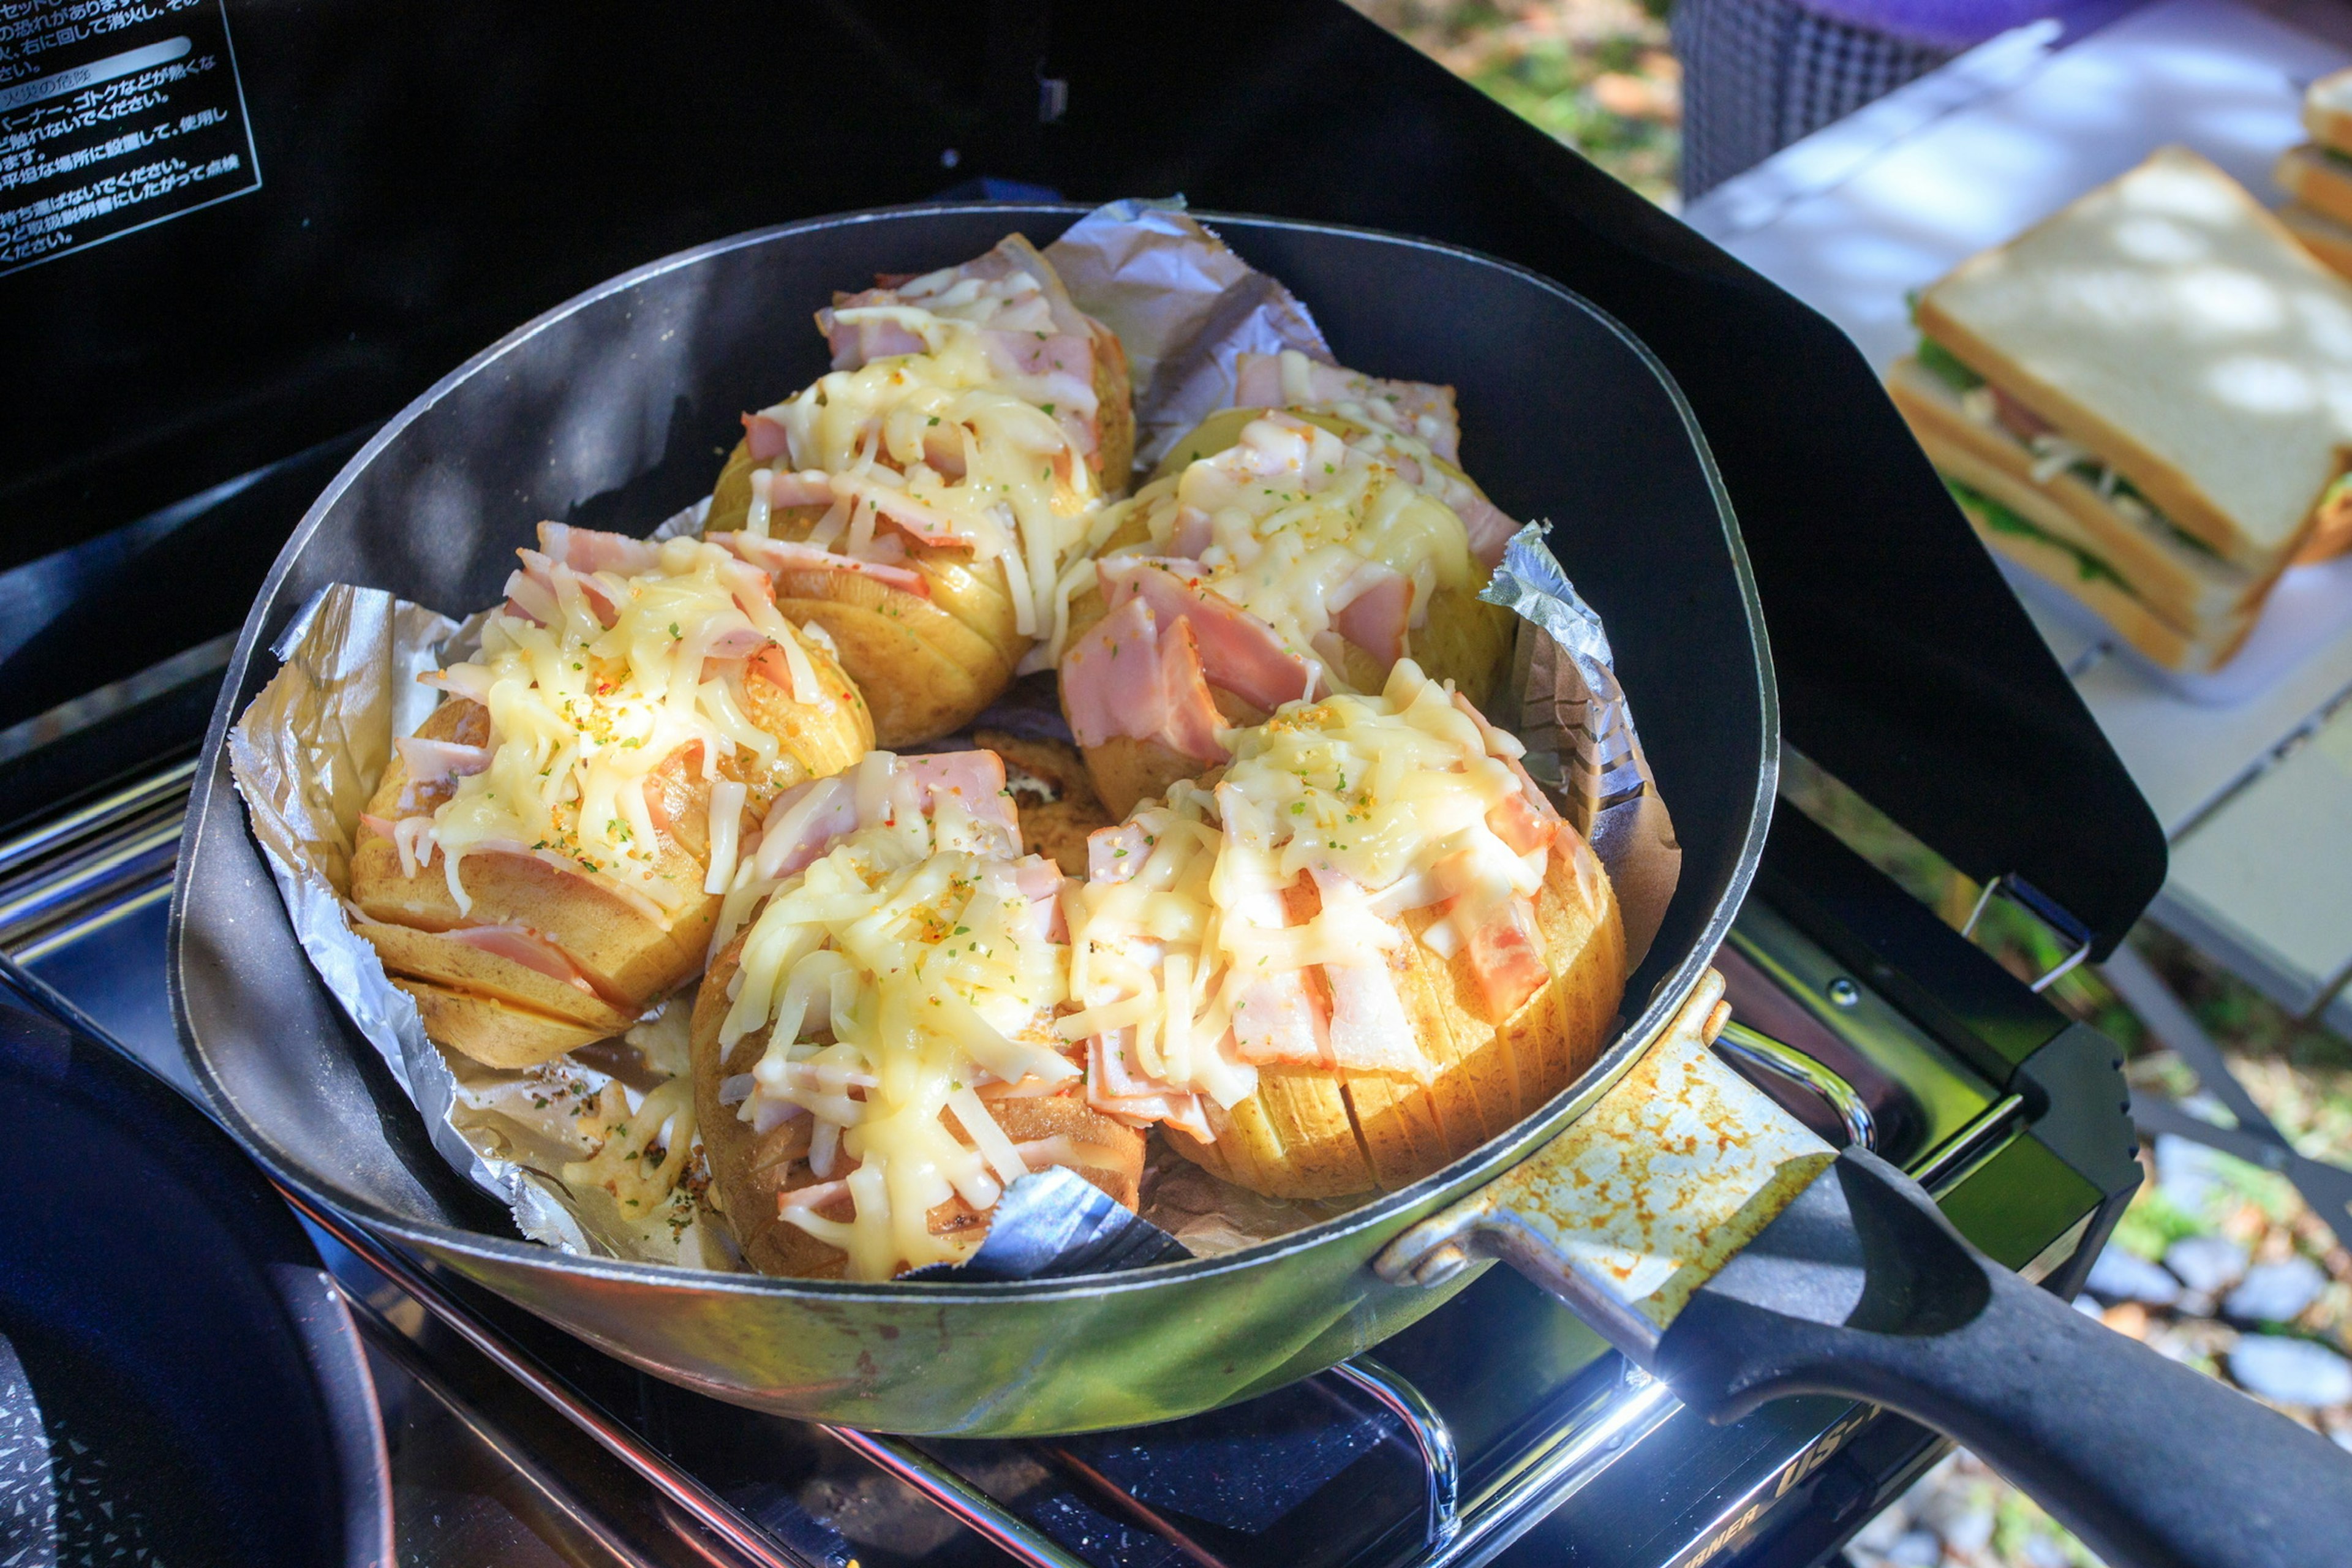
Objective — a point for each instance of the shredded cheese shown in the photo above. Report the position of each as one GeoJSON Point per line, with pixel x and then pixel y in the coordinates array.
{"type": "Point", "coordinates": [909, 965]}
{"type": "Point", "coordinates": [583, 714]}
{"type": "Point", "coordinates": [1292, 523]}
{"type": "Point", "coordinates": [969, 440]}
{"type": "Point", "coordinates": [1381, 803]}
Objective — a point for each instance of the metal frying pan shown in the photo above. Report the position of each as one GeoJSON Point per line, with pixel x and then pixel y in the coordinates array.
{"type": "Point", "coordinates": [614, 410]}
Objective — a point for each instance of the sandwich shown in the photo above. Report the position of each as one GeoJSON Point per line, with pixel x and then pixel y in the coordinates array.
{"type": "Point", "coordinates": [2318, 176]}
{"type": "Point", "coordinates": [2146, 400]}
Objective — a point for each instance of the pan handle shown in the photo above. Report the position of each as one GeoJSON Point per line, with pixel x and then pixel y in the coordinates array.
{"type": "Point", "coordinates": [1862, 1287]}
{"type": "Point", "coordinates": [1698, 1228]}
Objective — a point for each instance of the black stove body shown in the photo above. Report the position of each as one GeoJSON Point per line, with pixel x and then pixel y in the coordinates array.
{"type": "Point", "coordinates": [236, 237]}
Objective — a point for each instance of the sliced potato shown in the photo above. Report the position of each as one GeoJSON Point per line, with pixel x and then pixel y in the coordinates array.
{"type": "Point", "coordinates": [752, 1172]}
{"type": "Point", "coordinates": [503, 1013]}
{"type": "Point", "coordinates": [1315, 1132]}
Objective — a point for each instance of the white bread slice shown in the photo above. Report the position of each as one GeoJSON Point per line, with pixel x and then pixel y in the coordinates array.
{"type": "Point", "coordinates": [2327, 110]}
{"type": "Point", "coordinates": [2311, 176]}
{"type": "Point", "coordinates": [2192, 653]}
{"type": "Point", "coordinates": [2185, 584]}
{"type": "Point", "coordinates": [2175, 328]}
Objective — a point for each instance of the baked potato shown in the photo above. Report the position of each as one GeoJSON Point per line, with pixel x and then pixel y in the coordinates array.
{"type": "Point", "coordinates": [545, 857]}
{"type": "Point", "coordinates": [921, 501]}
{"type": "Point", "coordinates": [1273, 555]}
{"type": "Point", "coordinates": [1361, 949]}
{"type": "Point", "coordinates": [874, 1055]}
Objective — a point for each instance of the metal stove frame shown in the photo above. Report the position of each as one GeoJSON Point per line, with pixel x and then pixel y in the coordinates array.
{"type": "Point", "coordinates": [70, 876]}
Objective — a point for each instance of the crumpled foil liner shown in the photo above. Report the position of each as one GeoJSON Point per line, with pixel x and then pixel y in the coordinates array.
{"type": "Point", "coordinates": [1574, 719]}
{"type": "Point", "coordinates": [308, 753]}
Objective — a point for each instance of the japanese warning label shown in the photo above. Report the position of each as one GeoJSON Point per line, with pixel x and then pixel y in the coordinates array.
{"type": "Point", "coordinates": [114, 114]}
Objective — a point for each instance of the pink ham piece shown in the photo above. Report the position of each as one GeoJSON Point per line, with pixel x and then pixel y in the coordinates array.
{"type": "Point", "coordinates": [766, 440]}
{"type": "Point", "coordinates": [593, 550]}
{"type": "Point", "coordinates": [1416, 409]}
{"type": "Point", "coordinates": [1239, 653]}
{"type": "Point", "coordinates": [896, 507]}
{"type": "Point", "coordinates": [1117, 1089]}
{"type": "Point", "coordinates": [1503, 954]}
{"type": "Point", "coordinates": [792, 837]}
{"type": "Point", "coordinates": [1373, 609]}
{"type": "Point", "coordinates": [1278, 1021]}
{"type": "Point", "coordinates": [1192, 534]}
{"type": "Point", "coordinates": [1488, 528]}
{"type": "Point", "coordinates": [1041, 881]}
{"type": "Point", "coordinates": [1116, 854]}
{"type": "Point", "coordinates": [1369, 1031]}
{"type": "Point", "coordinates": [974, 780]}
{"type": "Point", "coordinates": [519, 946]}
{"type": "Point", "coordinates": [536, 591]}
{"type": "Point", "coordinates": [857, 343]}
{"type": "Point", "coordinates": [438, 762]}
{"type": "Point", "coordinates": [1123, 677]}
{"type": "Point", "coordinates": [778, 555]}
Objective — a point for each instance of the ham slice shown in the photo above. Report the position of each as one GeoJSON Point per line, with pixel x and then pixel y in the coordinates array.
{"type": "Point", "coordinates": [1238, 652]}
{"type": "Point", "coordinates": [859, 342]}
{"type": "Point", "coordinates": [1373, 609]}
{"type": "Point", "coordinates": [1369, 1031]}
{"type": "Point", "coordinates": [1279, 1021]}
{"type": "Point", "coordinates": [896, 507]}
{"type": "Point", "coordinates": [1125, 678]}
{"type": "Point", "coordinates": [974, 780]}
{"type": "Point", "coordinates": [1116, 854]}
{"type": "Point", "coordinates": [1291, 380]}
{"type": "Point", "coordinates": [778, 555]}
{"type": "Point", "coordinates": [766, 438]}
{"type": "Point", "coordinates": [802, 824]}
{"type": "Point", "coordinates": [593, 550]}
{"type": "Point", "coordinates": [1117, 1089]}
{"type": "Point", "coordinates": [1488, 528]}
{"type": "Point", "coordinates": [537, 592]}
{"type": "Point", "coordinates": [1503, 953]}
{"type": "Point", "coordinates": [518, 944]}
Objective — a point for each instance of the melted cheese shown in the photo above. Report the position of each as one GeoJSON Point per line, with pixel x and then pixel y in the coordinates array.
{"type": "Point", "coordinates": [583, 714]}
{"type": "Point", "coordinates": [1382, 802]}
{"type": "Point", "coordinates": [972, 431]}
{"type": "Point", "coordinates": [896, 974]}
{"type": "Point", "coordinates": [1285, 521]}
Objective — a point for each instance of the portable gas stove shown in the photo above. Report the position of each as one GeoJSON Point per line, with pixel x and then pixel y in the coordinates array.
{"type": "Point", "coordinates": [418, 187]}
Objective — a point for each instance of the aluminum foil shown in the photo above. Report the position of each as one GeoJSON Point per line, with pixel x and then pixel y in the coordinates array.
{"type": "Point", "coordinates": [1579, 731]}
{"type": "Point", "coordinates": [307, 755]}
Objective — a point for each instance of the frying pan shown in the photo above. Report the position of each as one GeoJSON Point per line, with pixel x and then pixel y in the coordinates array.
{"type": "Point", "coordinates": [148, 1314]}
{"type": "Point", "coordinates": [614, 410]}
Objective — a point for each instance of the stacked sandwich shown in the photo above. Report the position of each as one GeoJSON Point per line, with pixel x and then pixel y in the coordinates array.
{"type": "Point", "coordinates": [2318, 176]}
{"type": "Point", "coordinates": [2145, 401]}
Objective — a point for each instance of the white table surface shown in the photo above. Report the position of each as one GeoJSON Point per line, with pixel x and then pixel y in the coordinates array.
{"type": "Point", "coordinates": [2249, 775]}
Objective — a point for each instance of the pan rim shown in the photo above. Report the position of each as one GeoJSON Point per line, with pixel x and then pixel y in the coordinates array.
{"type": "Point", "coordinates": [1456, 1179]}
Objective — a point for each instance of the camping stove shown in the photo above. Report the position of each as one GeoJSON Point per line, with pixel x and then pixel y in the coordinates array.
{"type": "Point", "coordinates": [368, 198]}
{"type": "Point", "coordinates": [1499, 1425]}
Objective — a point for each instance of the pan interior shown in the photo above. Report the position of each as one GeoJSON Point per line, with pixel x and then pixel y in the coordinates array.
{"type": "Point", "coordinates": [613, 411]}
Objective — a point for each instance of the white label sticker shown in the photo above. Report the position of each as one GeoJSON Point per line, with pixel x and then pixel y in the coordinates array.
{"type": "Point", "coordinates": [114, 115]}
